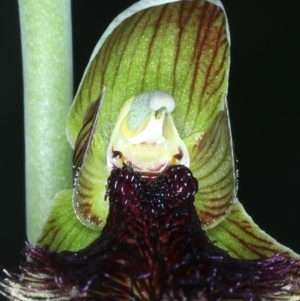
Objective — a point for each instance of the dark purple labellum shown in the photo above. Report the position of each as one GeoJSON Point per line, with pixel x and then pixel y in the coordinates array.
{"type": "Point", "coordinates": [152, 248]}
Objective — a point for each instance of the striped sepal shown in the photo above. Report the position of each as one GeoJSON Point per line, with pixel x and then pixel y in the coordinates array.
{"type": "Point", "coordinates": [63, 230]}
{"type": "Point", "coordinates": [242, 238]}
{"type": "Point", "coordinates": [181, 48]}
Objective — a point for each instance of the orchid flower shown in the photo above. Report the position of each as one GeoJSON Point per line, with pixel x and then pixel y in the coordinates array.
{"type": "Point", "coordinates": [153, 213]}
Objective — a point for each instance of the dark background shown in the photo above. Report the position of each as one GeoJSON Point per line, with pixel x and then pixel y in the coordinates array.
{"type": "Point", "coordinates": [263, 101]}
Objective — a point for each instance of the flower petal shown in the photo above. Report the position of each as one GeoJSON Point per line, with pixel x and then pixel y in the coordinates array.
{"type": "Point", "coordinates": [90, 171]}
{"type": "Point", "coordinates": [212, 163]}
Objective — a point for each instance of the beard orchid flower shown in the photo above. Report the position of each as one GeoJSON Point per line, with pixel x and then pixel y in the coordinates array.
{"type": "Point", "coordinates": [153, 213]}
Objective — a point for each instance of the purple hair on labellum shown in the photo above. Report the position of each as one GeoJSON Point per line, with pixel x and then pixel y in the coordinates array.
{"type": "Point", "coordinates": [152, 248]}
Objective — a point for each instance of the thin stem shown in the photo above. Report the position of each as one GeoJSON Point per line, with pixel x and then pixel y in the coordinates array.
{"type": "Point", "coordinates": [47, 72]}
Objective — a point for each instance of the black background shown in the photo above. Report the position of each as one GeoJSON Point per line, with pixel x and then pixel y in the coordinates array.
{"type": "Point", "coordinates": [263, 101]}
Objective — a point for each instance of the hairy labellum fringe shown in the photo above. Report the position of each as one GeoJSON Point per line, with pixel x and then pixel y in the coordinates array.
{"type": "Point", "coordinates": [152, 248]}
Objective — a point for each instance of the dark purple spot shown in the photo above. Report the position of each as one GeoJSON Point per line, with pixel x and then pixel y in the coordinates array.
{"type": "Point", "coordinates": [117, 155]}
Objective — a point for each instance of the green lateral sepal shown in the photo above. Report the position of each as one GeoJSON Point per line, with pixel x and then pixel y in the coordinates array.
{"type": "Point", "coordinates": [242, 238]}
{"type": "Point", "coordinates": [63, 230]}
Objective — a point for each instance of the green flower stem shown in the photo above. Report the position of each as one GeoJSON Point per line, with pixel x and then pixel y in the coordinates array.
{"type": "Point", "coordinates": [47, 71]}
